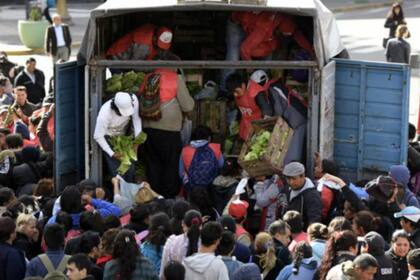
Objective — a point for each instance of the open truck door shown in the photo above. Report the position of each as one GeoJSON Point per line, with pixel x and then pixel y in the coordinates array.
{"type": "Point", "coordinates": [371, 117]}
{"type": "Point", "coordinates": [69, 149]}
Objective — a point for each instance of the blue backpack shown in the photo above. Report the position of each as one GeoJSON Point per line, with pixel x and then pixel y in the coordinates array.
{"type": "Point", "coordinates": [204, 167]}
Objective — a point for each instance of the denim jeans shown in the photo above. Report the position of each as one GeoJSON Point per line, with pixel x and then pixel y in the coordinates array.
{"type": "Point", "coordinates": [234, 37]}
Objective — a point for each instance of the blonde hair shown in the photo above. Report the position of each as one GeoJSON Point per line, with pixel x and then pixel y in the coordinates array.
{"type": "Point", "coordinates": [145, 194]}
{"type": "Point", "coordinates": [264, 247]}
{"type": "Point", "coordinates": [24, 219]}
{"type": "Point", "coordinates": [402, 31]}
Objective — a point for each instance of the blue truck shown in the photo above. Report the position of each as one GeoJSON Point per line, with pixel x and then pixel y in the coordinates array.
{"type": "Point", "coordinates": [357, 111]}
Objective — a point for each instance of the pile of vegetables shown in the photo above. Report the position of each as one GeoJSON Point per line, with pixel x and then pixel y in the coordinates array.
{"type": "Point", "coordinates": [124, 145]}
{"type": "Point", "coordinates": [127, 82]}
{"type": "Point", "coordinates": [259, 144]}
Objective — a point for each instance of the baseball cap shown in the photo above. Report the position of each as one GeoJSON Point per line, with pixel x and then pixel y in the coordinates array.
{"type": "Point", "coordinates": [411, 213]}
{"type": "Point", "coordinates": [164, 36]}
{"type": "Point", "coordinates": [238, 208]}
{"type": "Point", "coordinates": [124, 103]}
{"type": "Point", "coordinates": [259, 76]}
{"type": "Point", "coordinates": [294, 169]}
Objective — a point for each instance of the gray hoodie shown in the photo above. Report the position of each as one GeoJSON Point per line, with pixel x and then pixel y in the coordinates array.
{"type": "Point", "coordinates": [205, 266]}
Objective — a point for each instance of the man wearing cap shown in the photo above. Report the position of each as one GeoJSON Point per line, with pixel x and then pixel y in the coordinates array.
{"type": "Point", "coordinates": [409, 221]}
{"type": "Point", "coordinates": [114, 119]}
{"type": "Point", "coordinates": [302, 195]}
{"type": "Point", "coordinates": [144, 43]}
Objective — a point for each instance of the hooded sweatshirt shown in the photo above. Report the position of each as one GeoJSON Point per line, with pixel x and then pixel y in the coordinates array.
{"type": "Point", "coordinates": [401, 174]}
{"type": "Point", "coordinates": [376, 245]}
{"type": "Point", "coordinates": [414, 275]}
{"type": "Point", "coordinates": [307, 269]}
{"type": "Point", "coordinates": [205, 266]}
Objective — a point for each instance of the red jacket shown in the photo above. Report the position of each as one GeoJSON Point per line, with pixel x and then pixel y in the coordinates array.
{"type": "Point", "coordinates": [144, 36]}
{"type": "Point", "coordinates": [259, 28]}
{"type": "Point", "coordinates": [287, 26]}
{"type": "Point", "coordinates": [122, 45]}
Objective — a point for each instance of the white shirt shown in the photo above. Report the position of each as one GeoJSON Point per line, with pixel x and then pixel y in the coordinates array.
{"type": "Point", "coordinates": [109, 123]}
{"type": "Point", "coordinates": [59, 34]}
{"type": "Point", "coordinates": [30, 75]}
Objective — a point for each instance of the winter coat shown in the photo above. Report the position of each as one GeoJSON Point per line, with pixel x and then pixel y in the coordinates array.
{"type": "Point", "coordinates": [306, 201]}
{"type": "Point", "coordinates": [31, 249]}
{"type": "Point", "coordinates": [392, 23]}
{"type": "Point", "coordinates": [12, 263]}
{"type": "Point", "coordinates": [414, 275]}
{"type": "Point", "coordinates": [342, 271]}
{"type": "Point", "coordinates": [36, 91]}
{"type": "Point", "coordinates": [149, 252]}
{"type": "Point", "coordinates": [376, 245]}
{"type": "Point", "coordinates": [231, 264]}
{"type": "Point", "coordinates": [318, 248]}
{"type": "Point", "coordinates": [282, 253]}
{"type": "Point", "coordinates": [36, 267]}
{"type": "Point", "coordinates": [400, 265]}
{"type": "Point", "coordinates": [144, 270]}
{"type": "Point", "coordinates": [398, 50]}
{"type": "Point", "coordinates": [307, 270]}
{"type": "Point", "coordinates": [205, 266]}
{"type": "Point", "coordinates": [266, 194]}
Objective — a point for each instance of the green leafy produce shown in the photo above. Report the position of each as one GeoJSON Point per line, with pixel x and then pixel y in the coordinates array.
{"type": "Point", "coordinates": [193, 88]}
{"type": "Point", "coordinates": [123, 145]}
{"type": "Point", "coordinates": [259, 144]}
{"type": "Point", "coordinates": [127, 82]}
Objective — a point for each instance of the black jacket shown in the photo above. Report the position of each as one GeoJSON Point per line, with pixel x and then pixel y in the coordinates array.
{"type": "Point", "coordinates": [36, 91]}
{"type": "Point", "coordinates": [30, 248]}
{"type": "Point", "coordinates": [51, 39]}
{"type": "Point", "coordinates": [392, 24]}
{"type": "Point", "coordinates": [12, 263]}
{"type": "Point", "coordinates": [307, 202]}
{"type": "Point", "coordinates": [400, 265]}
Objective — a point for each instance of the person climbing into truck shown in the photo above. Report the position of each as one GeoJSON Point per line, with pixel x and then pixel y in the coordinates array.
{"type": "Point", "coordinates": [144, 43]}
{"type": "Point", "coordinates": [117, 116]}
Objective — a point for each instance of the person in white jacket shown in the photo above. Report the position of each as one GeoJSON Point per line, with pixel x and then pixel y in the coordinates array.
{"type": "Point", "coordinates": [204, 265]}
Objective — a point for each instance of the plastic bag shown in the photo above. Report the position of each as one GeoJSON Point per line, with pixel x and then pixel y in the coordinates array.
{"type": "Point", "coordinates": [208, 92]}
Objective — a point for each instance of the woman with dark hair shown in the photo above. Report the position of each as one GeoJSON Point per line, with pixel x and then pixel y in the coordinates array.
{"type": "Point", "coordinates": [177, 247]}
{"type": "Point", "coordinates": [400, 246]}
{"type": "Point", "coordinates": [106, 246]}
{"type": "Point", "coordinates": [200, 199]}
{"type": "Point", "coordinates": [159, 231]}
{"type": "Point", "coordinates": [341, 247]}
{"type": "Point", "coordinates": [127, 262]}
{"type": "Point", "coordinates": [304, 265]}
{"type": "Point", "coordinates": [394, 18]}
{"type": "Point", "coordinates": [364, 222]}
{"type": "Point", "coordinates": [179, 208]}
{"type": "Point", "coordinates": [12, 260]}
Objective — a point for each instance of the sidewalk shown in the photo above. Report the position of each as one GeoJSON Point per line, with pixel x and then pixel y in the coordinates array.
{"type": "Point", "coordinates": [339, 6]}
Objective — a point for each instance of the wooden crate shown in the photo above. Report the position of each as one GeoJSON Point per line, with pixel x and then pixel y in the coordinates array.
{"type": "Point", "coordinates": [272, 161]}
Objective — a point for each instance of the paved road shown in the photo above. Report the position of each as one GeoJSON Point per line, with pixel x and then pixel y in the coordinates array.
{"type": "Point", "coordinates": [362, 33]}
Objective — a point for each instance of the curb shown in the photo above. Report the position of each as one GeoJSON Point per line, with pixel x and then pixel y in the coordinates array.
{"type": "Point", "coordinates": [358, 7]}
{"type": "Point", "coordinates": [28, 51]}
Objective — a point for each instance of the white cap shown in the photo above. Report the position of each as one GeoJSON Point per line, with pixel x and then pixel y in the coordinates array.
{"type": "Point", "coordinates": [259, 77]}
{"type": "Point", "coordinates": [124, 103]}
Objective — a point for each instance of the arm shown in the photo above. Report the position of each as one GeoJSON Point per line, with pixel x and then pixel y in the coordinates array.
{"type": "Point", "coordinates": [303, 42]}
{"type": "Point", "coordinates": [136, 118]}
{"type": "Point", "coordinates": [186, 102]}
{"type": "Point", "coordinates": [101, 129]}
{"type": "Point", "coordinates": [251, 42]}
{"type": "Point", "coordinates": [390, 23]}
{"type": "Point", "coordinates": [265, 197]}
{"type": "Point", "coordinates": [414, 158]}
{"type": "Point", "coordinates": [106, 208]}
{"type": "Point", "coordinates": [42, 132]}
{"type": "Point", "coordinates": [263, 104]}
{"type": "Point", "coordinates": [48, 41]}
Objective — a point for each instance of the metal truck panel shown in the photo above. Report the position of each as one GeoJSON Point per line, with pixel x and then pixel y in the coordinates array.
{"type": "Point", "coordinates": [371, 117]}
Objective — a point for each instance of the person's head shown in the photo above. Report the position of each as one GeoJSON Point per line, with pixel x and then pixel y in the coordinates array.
{"type": "Point", "coordinates": [174, 271]}
{"type": "Point", "coordinates": [65, 220]}
{"type": "Point", "coordinates": [364, 222]}
{"type": "Point", "coordinates": [303, 250]}
{"type": "Point", "coordinates": [139, 214]}
{"type": "Point", "coordinates": [126, 251]}
{"type": "Point", "coordinates": [317, 231]}
{"type": "Point", "coordinates": [54, 237]}
{"type": "Point", "coordinates": [3, 133]}
{"type": "Point", "coordinates": [227, 243]}
{"type": "Point", "coordinates": [78, 267]}
{"type": "Point", "coordinates": [373, 244]}
{"type": "Point", "coordinates": [30, 154]}
{"type": "Point", "coordinates": [89, 244]}
{"type": "Point", "coordinates": [145, 194]}
{"type": "Point", "coordinates": [295, 175]}
{"type": "Point", "coordinates": [264, 248]}
{"type": "Point", "coordinates": [111, 222]}
{"type": "Point", "coordinates": [228, 223]}
{"type": "Point", "coordinates": [338, 241]}
{"type": "Point", "coordinates": [91, 220]}
{"type": "Point", "coordinates": [14, 141]}
{"type": "Point", "coordinates": [31, 64]}
{"type": "Point", "coordinates": [192, 224]}
{"type": "Point", "coordinates": [400, 243]}
{"type": "Point", "coordinates": [238, 209]}
{"type": "Point", "coordinates": [259, 77]}
{"type": "Point", "coordinates": [230, 167]}
{"type": "Point", "coordinates": [7, 230]}
{"type": "Point", "coordinates": [44, 188]}
{"type": "Point", "coordinates": [236, 84]}
{"type": "Point", "coordinates": [349, 211]}
{"type": "Point", "coordinates": [163, 38]}
{"type": "Point", "coordinates": [56, 18]}
{"type": "Point", "coordinates": [179, 208]}
{"type": "Point", "coordinates": [411, 131]}
{"type": "Point", "coordinates": [339, 223]}
{"type": "Point", "coordinates": [87, 186]}
{"type": "Point", "coordinates": [107, 241]}
{"type": "Point", "coordinates": [159, 229]}
{"type": "Point", "coordinates": [413, 259]}
{"type": "Point", "coordinates": [21, 95]}
{"type": "Point", "coordinates": [3, 83]}
{"type": "Point", "coordinates": [33, 123]}
{"type": "Point", "coordinates": [71, 200]}
{"type": "Point", "coordinates": [402, 31]}
{"type": "Point", "coordinates": [294, 220]}
{"type": "Point", "coordinates": [26, 224]}
{"type": "Point", "coordinates": [280, 231]}
{"type": "Point", "coordinates": [366, 267]}
{"type": "Point", "coordinates": [7, 196]}
{"type": "Point", "coordinates": [124, 104]}
{"type": "Point", "coordinates": [396, 11]}
{"type": "Point", "coordinates": [210, 235]}
{"type": "Point", "coordinates": [409, 218]}
{"type": "Point", "coordinates": [202, 132]}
